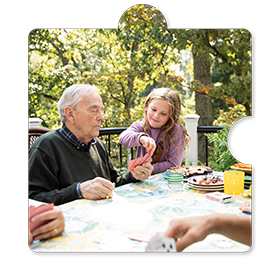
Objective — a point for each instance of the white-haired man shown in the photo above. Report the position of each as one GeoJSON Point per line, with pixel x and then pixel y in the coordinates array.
{"type": "Point", "coordinates": [71, 162]}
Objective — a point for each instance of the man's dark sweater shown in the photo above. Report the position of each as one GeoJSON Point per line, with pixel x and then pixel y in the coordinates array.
{"type": "Point", "coordinates": [56, 167]}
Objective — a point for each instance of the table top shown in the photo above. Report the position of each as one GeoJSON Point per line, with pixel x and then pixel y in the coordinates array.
{"type": "Point", "coordinates": [148, 206]}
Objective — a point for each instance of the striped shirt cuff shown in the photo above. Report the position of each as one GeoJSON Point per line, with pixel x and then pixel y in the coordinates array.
{"type": "Point", "coordinates": [78, 191]}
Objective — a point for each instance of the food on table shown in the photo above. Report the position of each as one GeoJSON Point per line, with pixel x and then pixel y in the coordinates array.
{"type": "Point", "coordinates": [201, 181]}
{"type": "Point", "coordinates": [189, 171]}
{"type": "Point", "coordinates": [216, 180]}
{"type": "Point", "coordinates": [209, 180]}
{"type": "Point", "coordinates": [242, 165]}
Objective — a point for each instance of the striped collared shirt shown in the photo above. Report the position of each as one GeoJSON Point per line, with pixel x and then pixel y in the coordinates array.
{"type": "Point", "coordinates": [69, 136]}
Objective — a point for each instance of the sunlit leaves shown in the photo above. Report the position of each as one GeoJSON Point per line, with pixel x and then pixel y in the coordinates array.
{"type": "Point", "coordinates": [127, 62]}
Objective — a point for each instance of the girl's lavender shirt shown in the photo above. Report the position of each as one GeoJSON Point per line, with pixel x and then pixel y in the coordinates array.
{"type": "Point", "coordinates": [130, 138]}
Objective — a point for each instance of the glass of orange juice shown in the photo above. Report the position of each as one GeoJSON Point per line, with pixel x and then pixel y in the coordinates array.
{"type": "Point", "coordinates": [234, 182]}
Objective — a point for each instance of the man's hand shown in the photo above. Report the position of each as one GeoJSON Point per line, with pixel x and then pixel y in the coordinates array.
{"type": "Point", "coordinates": [148, 143]}
{"type": "Point", "coordinates": [54, 227]}
{"type": "Point", "coordinates": [97, 188]}
{"type": "Point", "coordinates": [142, 172]}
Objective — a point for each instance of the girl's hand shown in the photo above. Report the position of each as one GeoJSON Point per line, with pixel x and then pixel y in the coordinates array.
{"type": "Point", "coordinates": [148, 143]}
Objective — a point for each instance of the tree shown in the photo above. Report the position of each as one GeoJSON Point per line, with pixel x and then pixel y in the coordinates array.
{"type": "Point", "coordinates": [121, 62]}
{"type": "Point", "coordinates": [128, 62]}
{"type": "Point", "coordinates": [139, 53]}
{"type": "Point", "coordinates": [203, 104]}
{"type": "Point", "coordinates": [230, 51]}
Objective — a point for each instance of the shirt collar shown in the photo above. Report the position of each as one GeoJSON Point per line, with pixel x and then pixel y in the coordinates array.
{"type": "Point", "coordinates": [70, 137]}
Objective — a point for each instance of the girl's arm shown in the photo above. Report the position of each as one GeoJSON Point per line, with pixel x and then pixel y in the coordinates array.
{"type": "Point", "coordinates": [130, 137]}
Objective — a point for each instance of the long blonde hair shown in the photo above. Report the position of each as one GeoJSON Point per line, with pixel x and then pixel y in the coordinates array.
{"type": "Point", "coordinates": [173, 99]}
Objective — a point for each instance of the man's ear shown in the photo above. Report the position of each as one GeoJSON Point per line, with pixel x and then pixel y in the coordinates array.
{"type": "Point", "coordinates": [69, 113]}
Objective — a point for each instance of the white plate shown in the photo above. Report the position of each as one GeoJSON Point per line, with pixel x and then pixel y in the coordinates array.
{"type": "Point", "coordinates": [208, 189]}
{"type": "Point", "coordinates": [198, 178]}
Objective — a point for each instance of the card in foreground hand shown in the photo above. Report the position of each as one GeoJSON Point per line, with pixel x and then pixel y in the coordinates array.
{"type": "Point", "coordinates": [139, 161]}
{"type": "Point", "coordinates": [142, 236]}
{"type": "Point", "coordinates": [34, 211]}
{"type": "Point", "coordinates": [160, 243]}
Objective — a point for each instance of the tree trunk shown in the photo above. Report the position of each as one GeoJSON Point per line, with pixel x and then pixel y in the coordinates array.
{"type": "Point", "coordinates": [203, 104]}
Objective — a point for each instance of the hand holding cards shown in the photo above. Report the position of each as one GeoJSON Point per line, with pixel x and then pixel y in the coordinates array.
{"type": "Point", "coordinates": [139, 161]}
{"type": "Point", "coordinates": [45, 221]}
{"type": "Point", "coordinates": [34, 211]}
{"type": "Point", "coordinates": [160, 243]}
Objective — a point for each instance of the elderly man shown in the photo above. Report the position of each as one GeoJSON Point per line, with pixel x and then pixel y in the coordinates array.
{"type": "Point", "coordinates": [71, 162]}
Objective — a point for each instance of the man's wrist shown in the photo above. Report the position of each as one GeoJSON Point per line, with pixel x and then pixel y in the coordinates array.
{"type": "Point", "coordinates": [78, 191]}
{"type": "Point", "coordinates": [133, 178]}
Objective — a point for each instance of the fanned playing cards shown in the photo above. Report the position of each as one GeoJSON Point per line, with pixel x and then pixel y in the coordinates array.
{"type": "Point", "coordinates": [139, 161]}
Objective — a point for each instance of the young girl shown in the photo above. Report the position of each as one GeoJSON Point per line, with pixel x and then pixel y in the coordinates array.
{"type": "Point", "coordinates": [161, 135]}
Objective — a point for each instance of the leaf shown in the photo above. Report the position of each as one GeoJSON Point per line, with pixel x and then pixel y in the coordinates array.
{"type": "Point", "coordinates": [178, 210]}
{"type": "Point", "coordinates": [162, 209]}
{"type": "Point", "coordinates": [150, 184]}
{"type": "Point", "coordinates": [121, 193]}
{"type": "Point", "coordinates": [90, 227]}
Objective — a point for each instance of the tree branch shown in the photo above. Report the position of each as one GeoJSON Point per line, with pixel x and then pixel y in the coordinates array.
{"type": "Point", "coordinates": [50, 97]}
{"type": "Point", "coordinates": [114, 97]}
{"type": "Point", "coordinates": [74, 62]}
{"type": "Point", "coordinates": [206, 39]}
{"type": "Point", "coordinates": [60, 52]}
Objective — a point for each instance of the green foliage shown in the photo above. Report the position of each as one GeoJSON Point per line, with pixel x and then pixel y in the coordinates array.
{"type": "Point", "coordinates": [128, 62]}
{"type": "Point", "coordinates": [231, 115]}
{"type": "Point", "coordinates": [121, 62]}
{"type": "Point", "coordinates": [229, 51]}
{"type": "Point", "coordinates": [220, 158]}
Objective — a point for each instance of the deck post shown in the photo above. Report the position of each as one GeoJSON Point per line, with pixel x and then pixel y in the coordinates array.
{"type": "Point", "coordinates": [191, 122]}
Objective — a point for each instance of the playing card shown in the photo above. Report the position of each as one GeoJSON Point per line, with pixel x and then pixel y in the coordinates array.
{"type": "Point", "coordinates": [160, 243]}
{"type": "Point", "coordinates": [143, 236]}
{"type": "Point", "coordinates": [139, 161]}
{"type": "Point", "coordinates": [146, 158]}
{"type": "Point", "coordinates": [132, 163]}
{"type": "Point", "coordinates": [34, 211]}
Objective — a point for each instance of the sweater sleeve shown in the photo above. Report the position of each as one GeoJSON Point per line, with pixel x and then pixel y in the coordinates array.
{"type": "Point", "coordinates": [43, 182]}
{"type": "Point", "coordinates": [130, 137]}
{"type": "Point", "coordinates": [114, 175]}
{"type": "Point", "coordinates": [175, 154]}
